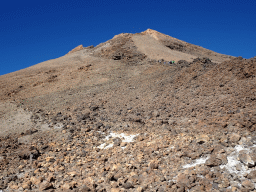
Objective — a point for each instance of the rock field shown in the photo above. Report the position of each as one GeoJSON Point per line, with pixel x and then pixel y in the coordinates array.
{"type": "Point", "coordinates": [113, 118]}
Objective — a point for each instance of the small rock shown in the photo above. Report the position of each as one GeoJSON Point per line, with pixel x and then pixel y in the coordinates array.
{"type": "Point", "coordinates": [72, 173]}
{"type": "Point", "coordinates": [66, 186]}
{"type": "Point", "coordinates": [215, 186]}
{"type": "Point", "coordinates": [85, 188]}
{"type": "Point", "coordinates": [202, 139]}
{"type": "Point", "coordinates": [117, 141]}
{"type": "Point", "coordinates": [253, 155]}
{"type": "Point", "coordinates": [248, 184]}
{"type": "Point", "coordinates": [156, 113]}
{"type": "Point", "coordinates": [26, 186]}
{"type": "Point", "coordinates": [94, 107]}
{"type": "Point", "coordinates": [117, 175]}
{"type": "Point", "coordinates": [213, 161]}
{"type": "Point", "coordinates": [253, 140]}
{"type": "Point", "coordinates": [114, 190]}
{"type": "Point", "coordinates": [50, 178]}
{"type": "Point", "coordinates": [36, 181]}
{"type": "Point", "coordinates": [128, 185]}
{"type": "Point", "coordinates": [245, 158]}
{"type": "Point", "coordinates": [14, 186]}
{"type": "Point", "coordinates": [252, 175]}
{"type": "Point", "coordinates": [26, 153]}
{"type": "Point", "coordinates": [225, 182]}
{"type": "Point", "coordinates": [116, 167]}
{"type": "Point", "coordinates": [140, 189]}
{"type": "Point", "coordinates": [50, 159]}
{"type": "Point", "coordinates": [153, 164]}
{"type": "Point", "coordinates": [142, 178]}
{"type": "Point", "coordinates": [45, 185]}
{"type": "Point", "coordinates": [140, 138]}
{"type": "Point", "coordinates": [123, 144]}
{"type": "Point", "coordinates": [234, 138]}
{"type": "Point", "coordinates": [89, 181]}
{"type": "Point", "coordinates": [182, 179]}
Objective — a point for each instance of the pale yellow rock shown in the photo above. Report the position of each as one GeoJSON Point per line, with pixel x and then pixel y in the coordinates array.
{"type": "Point", "coordinates": [46, 165]}
{"type": "Point", "coordinates": [72, 173]}
{"type": "Point", "coordinates": [61, 168]}
{"type": "Point", "coordinates": [37, 171]}
{"type": "Point", "coordinates": [115, 190]}
{"type": "Point", "coordinates": [89, 181]}
{"type": "Point", "coordinates": [36, 181]}
{"type": "Point", "coordinates": [139, 189]}
{"type": "Point", "coordinates": [14, 186]}
{"type": "Point", "coordinates": [52, 169]}
{"type": "Point", "coordinates": [25, 186]}
{"type": "Point", "coordinates": [20, 167]}
{"type": "Point", "coordinates": [202, 139]}
{"type": "Point", "coordinates": [153, 164]}
{"type": "Point", "coordinates": [49, 159]}
{"type": "Point", "coordinates": [116, 166]}
{"type": "Point", "coordinates": [44, 185]}
{"type": "Point", "coordinates": [79, 163]}
{"type": "Point", "coordinates": [66, 186]}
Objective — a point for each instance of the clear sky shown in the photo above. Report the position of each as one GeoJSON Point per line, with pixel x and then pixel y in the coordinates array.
{"type": "Point", "coordinates": [35, 31]}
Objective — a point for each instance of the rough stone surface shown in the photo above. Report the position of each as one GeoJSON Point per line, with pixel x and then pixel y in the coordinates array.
{"type": "Point", "coordinates": [121, 117]}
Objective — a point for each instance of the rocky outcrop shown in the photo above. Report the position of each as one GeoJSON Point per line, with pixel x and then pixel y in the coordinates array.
{"type": "Point", "coordinates": [78, 48]}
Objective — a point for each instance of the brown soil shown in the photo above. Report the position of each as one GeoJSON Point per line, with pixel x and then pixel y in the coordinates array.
{"type": "Point", "coordinates": [60, 119]}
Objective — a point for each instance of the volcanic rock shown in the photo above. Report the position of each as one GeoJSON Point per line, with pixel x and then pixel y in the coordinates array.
{"type": "Point", "coordinates": [145, 112]}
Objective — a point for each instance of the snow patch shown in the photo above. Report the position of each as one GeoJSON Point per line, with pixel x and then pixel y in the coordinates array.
{"type": "Point", "coordinates": [233, 162]}
{"type": "Point", "coordinates": [125, 138]}
{"type": "Point", "coordinates": [199, 161]}
{"type": "Point", "coordinates": [109, 146]}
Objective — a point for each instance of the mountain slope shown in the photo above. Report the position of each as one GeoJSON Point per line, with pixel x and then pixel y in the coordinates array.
{"type": "Point", "coordinates": [115, 118]}
{"type": "Point", "coordinates": [67, 71]}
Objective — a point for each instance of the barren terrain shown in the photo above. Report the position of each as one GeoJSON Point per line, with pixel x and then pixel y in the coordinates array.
{"type": "Point", "coordinates": [121, 117]}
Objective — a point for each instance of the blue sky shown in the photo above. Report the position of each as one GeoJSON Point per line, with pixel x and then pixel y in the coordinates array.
{"type": "Point", "coordinates": [35, 31]}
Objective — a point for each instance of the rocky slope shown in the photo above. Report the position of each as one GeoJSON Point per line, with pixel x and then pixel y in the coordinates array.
{"type": "Point", "coordinates": [121, 117]}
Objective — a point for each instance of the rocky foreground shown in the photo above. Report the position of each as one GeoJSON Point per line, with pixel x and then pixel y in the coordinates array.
{"type": "Point", "coordinates": [149, 125]}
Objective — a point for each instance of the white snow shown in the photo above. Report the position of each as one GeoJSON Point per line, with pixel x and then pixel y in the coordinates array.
{"type": "Point", "coordinates": [233, 161]}
{"type": "Point", "coordinates": [125, 138]}
{"type": "Point", "coordinates": [199, 161]}
{"type": "Point", "coordinates": [239, 148]}
{"type": "Point", "coordinates": [109, 146]}
{"type": "Point", "coordinates": [102, 146]}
